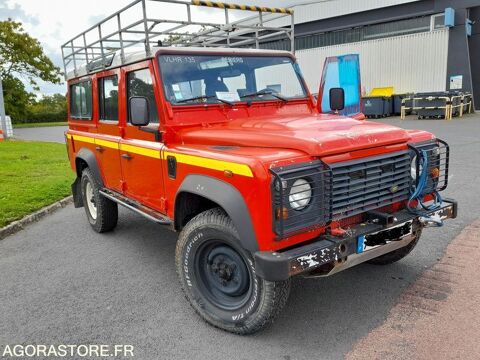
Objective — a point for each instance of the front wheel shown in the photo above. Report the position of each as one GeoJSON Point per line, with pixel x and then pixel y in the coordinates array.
{"type": "Point", "coordinates": [219, 280]}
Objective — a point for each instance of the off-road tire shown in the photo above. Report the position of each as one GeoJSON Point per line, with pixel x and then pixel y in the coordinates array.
{"type": "Point", "coordinates": [264, 299]}
{"type": "Point", "coordinates": [107, 210]}
{"type": "Point", "coordinates": [398, 254]}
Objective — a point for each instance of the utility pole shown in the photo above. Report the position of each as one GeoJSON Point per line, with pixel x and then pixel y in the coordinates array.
{"type": "Point", "coordinates": [3, 119]}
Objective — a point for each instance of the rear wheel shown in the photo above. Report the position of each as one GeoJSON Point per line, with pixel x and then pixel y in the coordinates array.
{"type": "Point", "coordinates": [102, 213]}
{"type": "Point", "coordinates": [219, 280]}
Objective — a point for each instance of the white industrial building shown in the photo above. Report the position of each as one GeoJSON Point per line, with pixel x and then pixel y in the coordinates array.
{"type": "Point", "coordinates": [412, 45]}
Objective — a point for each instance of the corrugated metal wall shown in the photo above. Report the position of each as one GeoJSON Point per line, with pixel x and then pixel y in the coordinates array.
{"type": "Point", "coordinates": [409, 63]}
{"type": "Point", "coordinates": [328, 9]}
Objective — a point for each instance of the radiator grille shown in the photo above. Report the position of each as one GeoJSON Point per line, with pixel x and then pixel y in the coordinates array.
{"type": "Point", "coordinates": [360, 186]}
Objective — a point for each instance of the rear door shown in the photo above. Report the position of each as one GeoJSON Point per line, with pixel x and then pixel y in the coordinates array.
{"type": "Point", "coordinates": [107, 141]}
{"type": "Point", "coordinates": [341, 72]}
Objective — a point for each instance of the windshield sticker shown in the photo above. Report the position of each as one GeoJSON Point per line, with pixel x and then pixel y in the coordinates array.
{"type": "Point", "coordinates": [179, 59]}
{"type": "Point", "coordinates": [227, 96]}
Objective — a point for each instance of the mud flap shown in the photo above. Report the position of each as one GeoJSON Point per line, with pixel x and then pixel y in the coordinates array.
{"type": "Point", "coordinates": [77, 193]}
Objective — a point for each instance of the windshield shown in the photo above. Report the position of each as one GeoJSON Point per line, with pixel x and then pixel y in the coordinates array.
{"type": "Point", "coordinates": [190, 79]}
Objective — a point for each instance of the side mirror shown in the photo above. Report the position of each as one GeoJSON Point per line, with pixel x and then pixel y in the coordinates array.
{"type": "Point", "coordinates": [337, 99]}
{"type": "Point", "coordinates": [139, 111]}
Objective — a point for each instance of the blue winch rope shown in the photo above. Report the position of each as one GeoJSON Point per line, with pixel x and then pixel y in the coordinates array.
{"type": "Point", "coordinates": [417, 194]}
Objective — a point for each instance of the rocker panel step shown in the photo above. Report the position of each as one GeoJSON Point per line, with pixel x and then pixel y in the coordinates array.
{"type": "Point", "coordinates": [138, 208]}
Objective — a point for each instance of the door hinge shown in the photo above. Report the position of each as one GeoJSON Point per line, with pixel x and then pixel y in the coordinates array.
{"type": "Point", "coordinates": [123, 185]}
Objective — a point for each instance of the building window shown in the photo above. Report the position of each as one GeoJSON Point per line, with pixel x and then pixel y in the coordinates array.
{"type": "Point", "coordinates": [438, 22]}
{"type": "Point", "coordinates": [363, 33]}
{"type": "Point", "coordinates": [139, 83]}
{"type": "Point", "coordinates": [81, 100]}
{"type": "Point", "coordinates": [108, 98]}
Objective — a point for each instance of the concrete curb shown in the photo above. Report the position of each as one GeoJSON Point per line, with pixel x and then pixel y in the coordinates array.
{"type": "Point", "coordinates": [18, 225]}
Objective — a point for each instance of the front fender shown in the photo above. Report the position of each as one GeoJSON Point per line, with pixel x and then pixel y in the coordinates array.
{"type": "Point", "coordinates": [230, 199]}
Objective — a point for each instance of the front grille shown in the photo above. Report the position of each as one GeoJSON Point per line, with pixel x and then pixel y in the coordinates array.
{"type": "Point", "coordinates": [346, 189]}
{"type": "Point", "coordinates": [367, 184]}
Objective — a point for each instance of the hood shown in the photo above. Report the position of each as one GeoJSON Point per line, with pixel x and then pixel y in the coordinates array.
{"type": "Point", "coordinates": [316, 135]}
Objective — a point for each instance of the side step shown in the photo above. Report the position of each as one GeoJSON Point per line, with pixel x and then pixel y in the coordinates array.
{"type": "Point", "coordinates": [150, 214]}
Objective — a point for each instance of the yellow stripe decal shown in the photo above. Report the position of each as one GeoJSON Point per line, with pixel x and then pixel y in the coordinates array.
{"type": "Point", "coordinates": [238, 169]}
{"type": "Point", "coordinates": [140, 151]}
{"type": "Point", "coordinates": [106, 143]}
{"type": "Point", "coordinates": [85, 139]}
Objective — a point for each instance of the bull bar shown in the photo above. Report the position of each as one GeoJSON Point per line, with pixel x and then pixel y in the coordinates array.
{"type": "Point", "coordinates": [329, 254]}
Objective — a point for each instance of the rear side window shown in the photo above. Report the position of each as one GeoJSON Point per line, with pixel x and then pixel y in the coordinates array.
{"type": "Point", "coordinates": [139, 83]}
{"type": "Point", "coordinates": [108, 98]}
{"type": "Point", "coordinates": [81, 100]}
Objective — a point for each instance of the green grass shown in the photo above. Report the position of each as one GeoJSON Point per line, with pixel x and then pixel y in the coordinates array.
{"type": "Point", "coordinates": [32, 175]}
{"type": "Point", "coordinates": [33, 125]}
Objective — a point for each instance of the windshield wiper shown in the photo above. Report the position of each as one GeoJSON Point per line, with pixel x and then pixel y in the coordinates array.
{"type": "Point", "coordinates": [265, 92]}
{"type": "Point", "coordinates": [205, 97]}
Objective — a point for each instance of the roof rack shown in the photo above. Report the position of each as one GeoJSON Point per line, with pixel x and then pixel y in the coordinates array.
{"type": "Point", "coordinates": [145, 24]}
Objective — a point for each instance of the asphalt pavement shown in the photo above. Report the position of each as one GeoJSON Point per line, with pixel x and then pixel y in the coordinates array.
{"type": "Point", "coordinates": [61, 283]}
{"type": "Point", "coordinates": [48, 133]}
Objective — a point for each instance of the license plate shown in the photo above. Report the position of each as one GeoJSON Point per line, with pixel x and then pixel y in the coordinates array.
{"type": "Point", "coordinates": [393, 233]}
{"type": "Point", "coordinates": [360, 244]}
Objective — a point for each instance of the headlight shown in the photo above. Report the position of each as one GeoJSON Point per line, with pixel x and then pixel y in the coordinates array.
{"type": "Point", "coordinates": [300, 194]}
{"type": "Point", "coordinates": [413, 168]}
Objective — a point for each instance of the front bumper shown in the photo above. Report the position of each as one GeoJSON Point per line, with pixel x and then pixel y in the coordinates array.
{"type": "Point", "coordinates": [329, 254]}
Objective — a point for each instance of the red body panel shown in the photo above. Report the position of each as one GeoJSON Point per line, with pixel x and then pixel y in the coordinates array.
{"type": "Point", "coordinates": [263, 135]}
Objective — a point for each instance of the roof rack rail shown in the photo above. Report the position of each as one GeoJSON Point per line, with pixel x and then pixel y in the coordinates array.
{"type": "Point", "coordinates": [135, 26]}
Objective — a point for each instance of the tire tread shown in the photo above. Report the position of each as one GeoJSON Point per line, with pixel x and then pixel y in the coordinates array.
{"type": "Point", "coordinates": [107, 210]}
{"type": "Point", "coordinates": [274, 294]}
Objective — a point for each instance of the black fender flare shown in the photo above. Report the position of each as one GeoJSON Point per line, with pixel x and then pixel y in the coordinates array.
{"type": "Point", "coordinates": [230, 199]}
{"type": "Point", "coordinates": [87, 156]}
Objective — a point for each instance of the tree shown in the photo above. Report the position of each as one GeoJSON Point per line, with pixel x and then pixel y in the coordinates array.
{"type": "Point", "coordinates": [17, 99]}
{"type": "Point", "coordinates": [22, 55]}
{"type": "Point", "coordinates": [50, 108]}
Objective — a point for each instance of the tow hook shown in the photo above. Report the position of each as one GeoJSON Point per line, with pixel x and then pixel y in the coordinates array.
{"type": "Point", "coordinates": [431, 221]}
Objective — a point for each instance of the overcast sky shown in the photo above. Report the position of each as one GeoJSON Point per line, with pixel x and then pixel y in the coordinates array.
{"type": "Point", "coordinates": [53, 22]}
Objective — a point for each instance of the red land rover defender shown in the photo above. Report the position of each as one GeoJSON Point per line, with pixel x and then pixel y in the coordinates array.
{"type": "Point", "coordinates": [229, 148]}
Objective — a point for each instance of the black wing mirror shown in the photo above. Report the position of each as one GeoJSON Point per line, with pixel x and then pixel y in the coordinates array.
{"type": "Point", "coordinates": [337, 99]}
{"type": "Point", "coordinates": [139, 111]}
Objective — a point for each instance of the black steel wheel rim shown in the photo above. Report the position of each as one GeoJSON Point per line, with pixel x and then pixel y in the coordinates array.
{"type": "Point", "coordinates": [224, 278]}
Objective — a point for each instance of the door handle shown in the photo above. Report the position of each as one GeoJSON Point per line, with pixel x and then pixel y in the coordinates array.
{"type": "Point", "coordinates": [99, 149]}
{"type": "Point", "coordinates": [127, 156]}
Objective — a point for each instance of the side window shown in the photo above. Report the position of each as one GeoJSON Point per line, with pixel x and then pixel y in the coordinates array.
{"type": "Point", "coordinates": [139, 83]}
{"type": "Point", "coordinates": [108, 98]}
{"type": "Point", "coordinates": [81, 100]}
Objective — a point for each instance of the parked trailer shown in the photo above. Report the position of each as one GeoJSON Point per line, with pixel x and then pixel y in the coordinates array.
{"type": "Point", "coordinates": [429, 107]}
